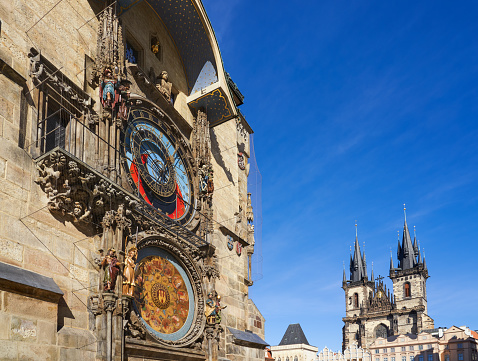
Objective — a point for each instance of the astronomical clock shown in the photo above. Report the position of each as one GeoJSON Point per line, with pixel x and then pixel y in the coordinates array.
{"type": "Point", "coordinates": [133, 214]}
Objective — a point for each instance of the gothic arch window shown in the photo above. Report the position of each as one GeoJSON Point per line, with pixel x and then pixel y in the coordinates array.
{"type": "Point", "coordinates": [287, 358]}
{"type": "Point", "coordinates": [407, 289]}
{"type": "Point", "coordinates": [356, 302]}
{"type": "Point", "coordinates": [279, 359]}
{"type": "Point", "coordinates": [381, 331]}
{"type": "Point", "coordinates": [296, 359]}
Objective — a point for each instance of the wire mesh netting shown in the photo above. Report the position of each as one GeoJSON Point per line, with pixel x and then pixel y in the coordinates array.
{"type": "Point", "coordinates": [254, 186]}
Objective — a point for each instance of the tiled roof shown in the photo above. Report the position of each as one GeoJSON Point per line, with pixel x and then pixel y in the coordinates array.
{"type": "Point", "coordinates": [294, 336]}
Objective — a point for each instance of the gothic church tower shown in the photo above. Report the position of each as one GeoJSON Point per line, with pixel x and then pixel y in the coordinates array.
{"type": "Point", "coordinates": [372, 311]}
{"type": "Point", "coordinates": [358, 291]}
{"type": "Point", "coordinates": [409, 285]}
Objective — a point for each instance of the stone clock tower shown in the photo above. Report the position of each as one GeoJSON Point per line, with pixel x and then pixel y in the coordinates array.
{"type": "Point", "coordinates": [127, 220]}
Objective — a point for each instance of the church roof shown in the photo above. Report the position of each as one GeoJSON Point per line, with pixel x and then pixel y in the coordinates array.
{"type": "Point", "coordinates": [294, 336]}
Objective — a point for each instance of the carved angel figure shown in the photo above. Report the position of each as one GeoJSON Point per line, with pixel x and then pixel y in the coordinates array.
{"type": "Point", "coordinates": [128, 272]}
{"type": "Point", "coordinates": [111, 266]}
{"type": "Point", "coordinates": [163, 85]}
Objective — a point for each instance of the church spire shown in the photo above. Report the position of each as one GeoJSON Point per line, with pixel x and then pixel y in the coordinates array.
{"type": "Point", "coordinates": [415, 246]}
{"type": "Point", "coordinates": [358, 269]}
{"type": "Point", "coordinates": [391, 260]}
{"type": "Point", "coordinates": [407, 255]}
{"type": "Point", "coordinates": [344, 281]}
{"type": "Point", "coordinates": [372, 278]}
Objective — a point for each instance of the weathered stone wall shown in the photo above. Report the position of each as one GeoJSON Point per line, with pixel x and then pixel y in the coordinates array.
{"type": "Point", "coordinates": [29, 332]}
{"type": "Point", "coordinates": [33, 238]}
{"type": "Point", "coordinates": [363, 295]}
{"type": "Point", "coordinates": [417, 288]}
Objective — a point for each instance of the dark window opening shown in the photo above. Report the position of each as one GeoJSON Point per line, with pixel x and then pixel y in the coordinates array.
{"type": "Point", "coordinates": [408, 292]}
{"type": "Point", "coordinates": [132, 54]}
{"type": "Point", "coordinates": [356, 303]}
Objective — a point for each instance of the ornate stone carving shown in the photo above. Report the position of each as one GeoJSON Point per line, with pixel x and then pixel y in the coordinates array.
{"type": "Point", "coordinates": [109, 47]}
{"type": "Point", "coordinates": [163, 85]}
{"type": "Point", "coordinates": [42, 71]}
{"type": "Point", "coordinates": [249, 212]}
{"type": "Point", "coordinates": [109, 302]}
{"type": "Point", "coordinates": [206, 180]}
{"type": "Point", "coordinates": [78, 193]}
{"type": "Point", "coordinates": [201, 140]}
{"type": "Point", "coordinates": [108, 71]}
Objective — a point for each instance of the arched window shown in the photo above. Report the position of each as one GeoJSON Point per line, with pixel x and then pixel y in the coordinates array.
{"type": "Point", "coordinates": [381, 331]}
{"type": "Point", "coordinates": [287, 358]}
{"type": "Point", "coordinates": [356, 300]}
{"type": "Point", "coordinates": [407, 289]}
{"type": "Point", "coordinates": [278, 359]}
{"type": "Point", "coordinates": [296, 359]}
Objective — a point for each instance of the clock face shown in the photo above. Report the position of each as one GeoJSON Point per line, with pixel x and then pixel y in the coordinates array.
{"type": "Point", "coordinates": [163, 296]}
{"type": "Point", "coordinates": [155, 165]}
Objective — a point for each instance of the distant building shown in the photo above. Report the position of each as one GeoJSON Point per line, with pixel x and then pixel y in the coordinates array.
{"type": "Point", "coordinates": [294, 346]}
{"type": "Point", "coordinates": [453, 344]}
{"type": "Point", "coordinates": [374, 312]}
{"type": "Point", "coordinates": [352, 353]}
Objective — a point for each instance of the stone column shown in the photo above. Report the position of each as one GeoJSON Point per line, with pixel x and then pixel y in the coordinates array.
{"type": "Point", "coordinates": [109, 301]}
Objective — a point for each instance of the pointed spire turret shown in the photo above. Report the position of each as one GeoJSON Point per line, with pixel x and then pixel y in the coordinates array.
{"type": "Point", "coordinates": [407, 256]}
{"type": "Point", "coordinates": [344, 281]}
{"type": "Point", "coordinates": [415, 246]}
{"type": "Point", "coordinates": [424, 261]}
{"type": "Point", "coordinates": [358, 269]}
{"type": "Point", "coordinates": [391, 260]}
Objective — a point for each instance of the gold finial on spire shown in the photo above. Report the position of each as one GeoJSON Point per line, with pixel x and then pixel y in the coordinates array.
{"type": "Point", "coordinates": [398, 235]}
{"type": "Point", "coordinates": [405, 211]}
{"type": "Point", "coordinates": [356, 234]}
{"type": "Point", "coordinates": [414, 232]}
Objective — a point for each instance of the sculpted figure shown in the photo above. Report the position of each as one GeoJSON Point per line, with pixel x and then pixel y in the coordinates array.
{"type": "Point", "coordinates": [111, 266]}
{"type": "Point", "coordinates": [108, 89]}
{"type": "Point", "coordinates": [163, 85]}
{"type": "Point", "coordinates": [128, 272]}
{"type": "Point", "coordinates": [213, 308]}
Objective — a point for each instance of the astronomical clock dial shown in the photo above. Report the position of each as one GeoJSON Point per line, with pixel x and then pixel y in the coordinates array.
{"type": "Point", "coordinates": [156, 166]}
{"type": "Point", "coordinates": [163, 297]}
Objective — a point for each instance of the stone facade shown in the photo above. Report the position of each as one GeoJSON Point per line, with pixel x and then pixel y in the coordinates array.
{"type": "Point", "coordinates": [374, 311]}
{"type": "Point", "coordinates": [75, 78]}
{"type": "Point", "coordinates": [353, 353]}
{"type": "Point", "coordinates": [294, 346]}
{"type": "Point", "coordinates": [453, 344]}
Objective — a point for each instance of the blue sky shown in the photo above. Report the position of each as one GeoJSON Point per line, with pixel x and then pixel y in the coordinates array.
{"type": "Point", "coordinates": [357, 108]}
